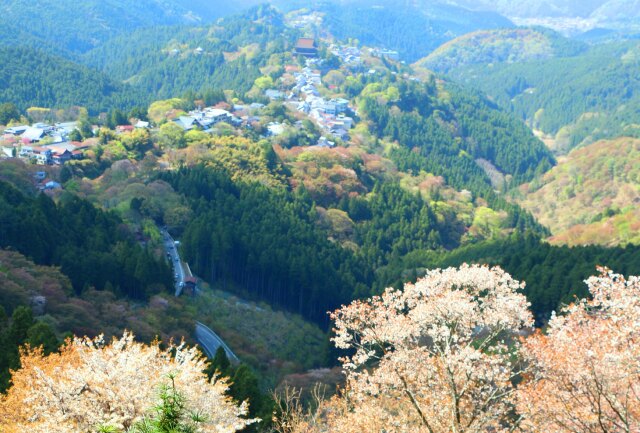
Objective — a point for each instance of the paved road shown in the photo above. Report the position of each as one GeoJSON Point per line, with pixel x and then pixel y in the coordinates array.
{"type": "Point", "coordinates": [210, 342]}
{"type": "Point", "coordinates": [174, 257]}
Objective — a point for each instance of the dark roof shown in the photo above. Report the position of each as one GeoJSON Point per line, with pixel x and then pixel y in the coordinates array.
{"type": "Point", "coordinates": [306, 43]}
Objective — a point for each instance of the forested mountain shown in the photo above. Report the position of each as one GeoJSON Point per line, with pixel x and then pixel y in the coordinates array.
{"type": "Point", "coordinates": [314, 247]}
{"type": "Point", "coordinates": [445, 130]}
{"type": "Point", "coordinates": [77, 27]}
{"type": "Point", "coordinates": [33, 78]}
{"type": "Point", "coordinates": [591, 196]}
{"type": "Point", "coordinates": [412, 28]}
{"type": "Point", "coordinates": [575, 100]}
{"type": "Point", "coordinates": [501, 46]}
{"type": "Point", "coordinates": [169, 61]}
{"type": "Point", "coordinates": [149, 64]}
{"type": "Point", "coordinates": [360, 173]}
{"type": "Point", "coordinates": [537, 8]}
{"type": "Point", "coordinates": [91, 246]}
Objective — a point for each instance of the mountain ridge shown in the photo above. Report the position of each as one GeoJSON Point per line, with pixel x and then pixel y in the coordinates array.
{"type": "Point", "coordinates": [500, 46]}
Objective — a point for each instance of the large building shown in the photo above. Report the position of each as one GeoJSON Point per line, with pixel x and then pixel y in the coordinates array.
{"type": "Point", "coordinates": [306, 47]}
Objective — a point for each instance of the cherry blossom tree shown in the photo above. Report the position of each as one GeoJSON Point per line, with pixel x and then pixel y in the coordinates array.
{"type": "Point", "coordinates": [435, 357]}
{"type": "Point", "coordinates": [91, 384]}
{"type": "Point", "coordinates": [586, 369]}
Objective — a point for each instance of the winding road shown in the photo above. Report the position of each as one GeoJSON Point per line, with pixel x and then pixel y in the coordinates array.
{"type": "Point", "coordinates": [209, 340]}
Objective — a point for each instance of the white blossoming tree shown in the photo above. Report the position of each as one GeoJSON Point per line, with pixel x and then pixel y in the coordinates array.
{"type": "Point", "coordinates": [586, 368]}
{"type": "Point", "coordinates": [91, 384]}
{"type": "Point", "coordinates": [435, 357]}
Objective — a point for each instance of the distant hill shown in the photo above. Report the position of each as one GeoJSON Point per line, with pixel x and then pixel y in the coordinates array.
{"type": "Point", "coordinates": [572, 100]}
{"type": "Point", "coordinates": [78, 26]}
{"type": "Point", "coordinates": [601, 10]}
{"type": "Point", "coordinates": [567, 15]}
{"type": "Point", "coordinates": [614, 10]}
{"type": "Point", "coordinates": [619, 13]}
{"type": "Point", "coordinates": [591, 196]}
{"type": "Point", "coordinates": [413, 29]}
{"type": "Point", "coordinates": [145, 65]}
{"type": "Point", "coordinates": [31, 77]}
{"type": "Point", "coordinates": [500, 46]}
{"type": "Point", "coordinates": [168, 61]}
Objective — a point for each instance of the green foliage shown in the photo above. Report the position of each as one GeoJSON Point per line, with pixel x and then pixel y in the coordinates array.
{"type": "Point", "coordinates": [166, 62]}
{"type": "Point", "coordinates": [577, 99]}
{"type": "Point", "coordinates": [171, 415]}
{"type": "Point", "coordinates": [19, 330]}
{"type": "Point", "coordinates": [264, 240]}
{"type": "Point", "coordinates": [244, 387]}
{"type": "Point", "coordinates": [40, 334]}
{"type": "Point", "coordinates": [273, 243]}
{"type": "Point", "coordinates": [69, 26]}
{"type": "Point", "coordinates": [8, 112]}
{"type": "Point", "coordinates": [91, 246]}
{"type": "Point", "coordinates": [444, 133]}
{"type": "Point", "coordinates": [171, 135]}
{"type": "Point", "coordinates": [220, 363]}
{"type": "Point", "coordinates": [158, 110]}
{"type": "Point", "coordinates": [31, 77]}
{"type": "Point", "coordinates": [264, 82]}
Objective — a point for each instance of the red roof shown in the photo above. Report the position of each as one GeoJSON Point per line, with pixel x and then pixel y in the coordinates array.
{"type": "Point", "coordinates": [191, 280]}
{"type": "Point", "coordinates": [306, 43]}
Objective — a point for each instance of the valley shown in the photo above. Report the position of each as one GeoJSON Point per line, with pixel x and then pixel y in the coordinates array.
{"type": "Point", "coordinates": [248, 176]}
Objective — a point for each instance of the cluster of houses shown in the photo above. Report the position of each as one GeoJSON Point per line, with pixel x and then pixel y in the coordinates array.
{"type": "Point", "coordinates": [330, 114]}
{"type": "Point", "coordinates": [385, 53]}
{"type": "Point", "coordinates": [310, 20]}
{"type": "Point", "coordinates": [350, 56]}
{"type": "Point", "coordinates": [206, 119]}
{"type": "Point", "coordinates": [41, 143]}
{"type": "Point", "coordinates": [44, 183]}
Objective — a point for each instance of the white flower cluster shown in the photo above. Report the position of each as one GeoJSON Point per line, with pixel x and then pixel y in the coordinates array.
{"type": "Point", "coordinates": [90, 383]}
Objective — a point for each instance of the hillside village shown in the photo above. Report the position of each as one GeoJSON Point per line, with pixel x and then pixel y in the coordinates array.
{"type": "Point", "coordinates": [300, 89]}
{"type": "Point", "coordinates": [300, 106]}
